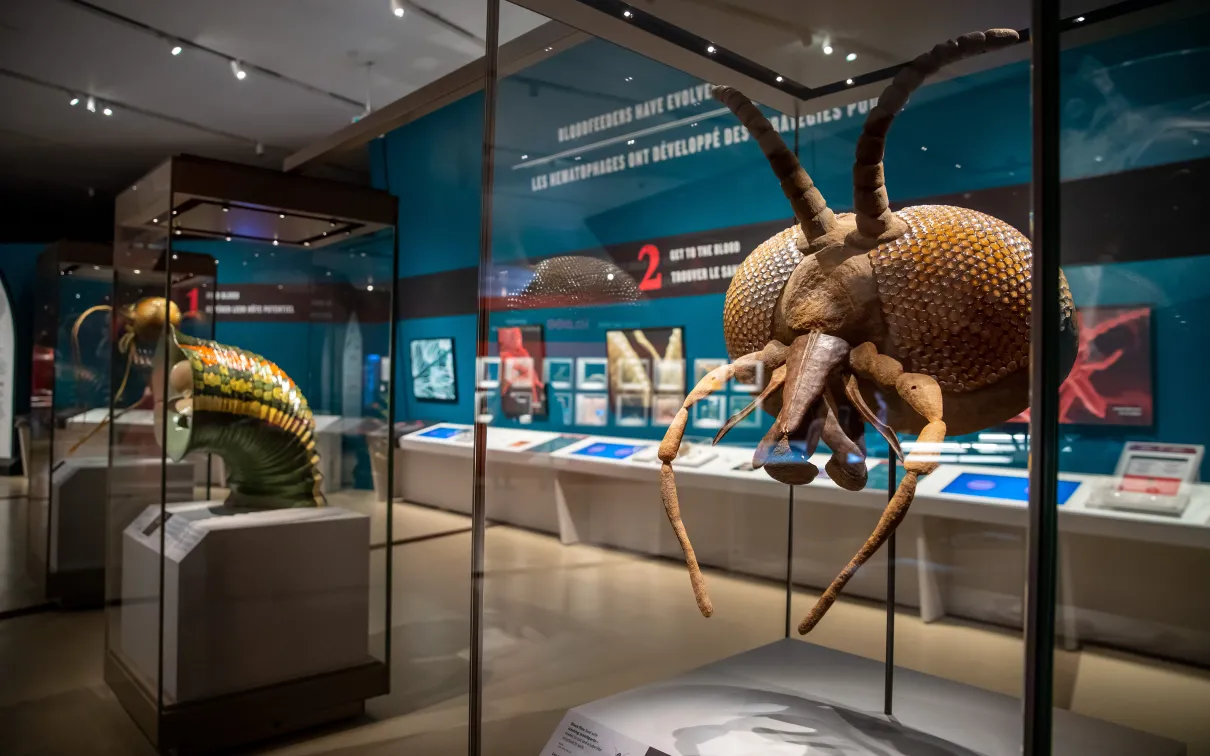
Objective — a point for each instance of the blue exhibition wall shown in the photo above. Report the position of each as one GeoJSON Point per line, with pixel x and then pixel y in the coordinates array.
{"type": "Point", "coordinates": [277, 302]}
{"type": "Point", "coordinates": [600, 151]}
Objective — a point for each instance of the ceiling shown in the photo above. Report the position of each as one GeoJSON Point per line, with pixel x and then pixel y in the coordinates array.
{"type": "Point", "coordinates": [312, 65]}
{"type": "Point", "coordinates": [790, 36]}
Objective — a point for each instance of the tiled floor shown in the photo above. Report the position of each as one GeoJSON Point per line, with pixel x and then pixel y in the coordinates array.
{"type": "Point", "coordinates": [564, 625]}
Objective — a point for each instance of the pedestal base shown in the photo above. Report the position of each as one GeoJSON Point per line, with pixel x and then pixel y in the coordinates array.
{"type": "Point", "coordinates": [792, 697]}
{"type": "Point", "coordinates": [265, 618]}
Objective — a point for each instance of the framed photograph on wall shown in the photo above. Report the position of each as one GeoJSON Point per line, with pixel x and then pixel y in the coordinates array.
{"type": "Point", "coordinates": [738, 403]}
{"type": "Point", "coordinates": [522, 351]}
{"type": "Point", "coordinates": [559, 372]}
{"type": "Point", "coordinates": [592, 409]}
{"type": "Point", "coordinates": [646, 360]}
{"type": "Point", "coordinates": [665, 407]}
{"type": "Point", "coordinates": [433, 376]}
{"type": "Point", "coordinates": [703, 365]}
{"type": "Point", "coordinates": [592, 373]}
{"type": "Point", "coordinates": [631, 409]}
{"type": "Point", "coordinates": [710, 412]}
{"type": "Point", "coordinates": [487, 372]}
{"type": "Point", "coordinates": [753, 386]}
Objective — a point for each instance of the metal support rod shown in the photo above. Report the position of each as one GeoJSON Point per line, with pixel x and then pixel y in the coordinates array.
{"type": "Point", "coordinates": [789, 559]}
{"type": "Point", "coordinates": [392, 349]}
{"type": "Point", "coordinates": [1044, 383]}
{"type": "Point", "coordinates": [474, 745]}
{"type": "Point", "coordinates": [888, 685]}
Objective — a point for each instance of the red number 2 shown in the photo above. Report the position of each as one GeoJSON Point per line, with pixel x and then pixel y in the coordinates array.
{"type": "Point", "coordinates": [192, 296]}
{"type": "Point", "coordinates": [651, 280]}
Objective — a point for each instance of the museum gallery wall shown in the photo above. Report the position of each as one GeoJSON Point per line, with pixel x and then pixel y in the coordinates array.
{"type": "Point", "coordinates": [679, 209]}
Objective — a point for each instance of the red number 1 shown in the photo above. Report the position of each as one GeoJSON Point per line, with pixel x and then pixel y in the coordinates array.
{"type": "Point", "coordinates": [651, 280]}
{"type": "Point", "coordinates": [192, 296]}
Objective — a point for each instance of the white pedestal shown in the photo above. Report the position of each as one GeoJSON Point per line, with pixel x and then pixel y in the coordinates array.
{"type": "Point", "coordinates": [791, 698]}
{"type": "Point", "coordinates": [251, 599]}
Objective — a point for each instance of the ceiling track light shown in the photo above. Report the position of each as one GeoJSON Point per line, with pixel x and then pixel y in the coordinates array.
{"type": "Point", "coordinates": [74, 101]}
{"type": "Point", "coordinates": [827, 48]}
{"type": "Point", "coordinates": [397, 8]}
{"type": "Point", "coordinates": [851, 57]}
{"type": "Point", "coordinates": [107, 111]}
{"type": "Point", "coordinates": [176, 50]}
{"type": "Point", "coordinates": [238, 71]}
{"type": "Point", "coordinates": [91, 104]}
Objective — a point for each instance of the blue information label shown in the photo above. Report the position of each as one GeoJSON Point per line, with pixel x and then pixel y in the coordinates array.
{"type": "Point", "coordinates": [608, 451]}
{"type": "Point", "coordinates": [441, 432]}
{"type": "Point", "coordinates": [1011, 487]}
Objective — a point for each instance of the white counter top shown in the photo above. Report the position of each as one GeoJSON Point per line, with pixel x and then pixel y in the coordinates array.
{"type": "Point", "coordinates": [517, 446]}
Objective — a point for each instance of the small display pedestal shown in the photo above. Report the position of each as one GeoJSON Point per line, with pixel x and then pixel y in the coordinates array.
{"type": "Point", "coordinates": [73, 551]}
{"type": "Point", "coordinates": [264, 626]}
{"type": "Point", "coordinates": [792, 697]}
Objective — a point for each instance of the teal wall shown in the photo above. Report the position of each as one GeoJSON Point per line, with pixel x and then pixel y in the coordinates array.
{"type": "Point", "coordinates": [18, 265]}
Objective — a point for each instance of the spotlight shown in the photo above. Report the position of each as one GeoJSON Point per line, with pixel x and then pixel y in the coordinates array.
{"type": "Point", "coordinates": [176, 50]}
{"type": "Point", "coordinates": [780, 80]}
{"type": "Point", "coordinates": [630, 141]}
{"type": "Point", "coordinates": [107, 111]}
{"type": "Point", "coordinates": [827, 49]}
{"type": "Point", "coordinates": [228, 238]}
{"type": "Point", "coordinates": [306, 244]}
{"type": "Point", "coordinates": [1079, 19]}
{"type": "Point", "coordinates": [849, 82]}
{"type": "Point", "coordinates": [397, 8]}
{"type": "Point", "coordinates": [627, 14]}
{"type": "Point", "coordinates": [226, 209]}
{"type": "Point", "coordinates": [74, 101]}
{"type": "Point", "coordinates": [239, 72]}
{"type": "Point", "coordinates": [369, 287]}
{"type": "Point", "coordinates": [851, 57]}
{"type": "Point", "coordinates": [137, 271]}
{"type": "Point", "coordinates": [91, 104]}
{"type": "Point", "coordinates": [957, 165]}
{"type": "Point", "coordinates": [525, 157]}
{"type": "Point", "coordinates": [924, 148]}
{"type": "Point", "coordinates": [275, 242]}
{"type": "Point", "coordinates": [711, 49]}
{"type": "Point", "coordinates": [281, 215]}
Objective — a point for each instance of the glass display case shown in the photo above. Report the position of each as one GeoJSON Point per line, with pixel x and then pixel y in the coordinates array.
{"type": "Point", "coordinates": [69, 374]}
{"type": "Point", "coordinates": [260, 598]}
{"type": "Point", "coordinates": [740, 340]}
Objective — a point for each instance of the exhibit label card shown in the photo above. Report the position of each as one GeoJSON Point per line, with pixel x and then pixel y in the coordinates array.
{"type": "Point", "coordinates": [578, 734]}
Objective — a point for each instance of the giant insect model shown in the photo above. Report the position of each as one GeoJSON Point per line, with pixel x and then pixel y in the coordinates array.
{"type": "Point", "coordinates": [929, 304]}
{"type": "Point", "coordinates": [237, 404]}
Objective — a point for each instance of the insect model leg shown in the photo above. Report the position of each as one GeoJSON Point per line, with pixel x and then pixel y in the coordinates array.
{"type": "Point", "coordinates": [922, 393]}
{"type": "Point", "coordinates": [770, 358]}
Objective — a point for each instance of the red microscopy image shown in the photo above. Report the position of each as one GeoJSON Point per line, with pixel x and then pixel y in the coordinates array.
{"type": "Point", "coordinates": [1110, 383]}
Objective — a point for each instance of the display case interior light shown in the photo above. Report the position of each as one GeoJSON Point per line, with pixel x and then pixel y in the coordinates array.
{"type": "Point", "coordinates": [206, 218]}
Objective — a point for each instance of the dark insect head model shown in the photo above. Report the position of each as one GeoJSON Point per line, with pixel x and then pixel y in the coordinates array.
{"type": "Point", "coordinates": [927, 307]}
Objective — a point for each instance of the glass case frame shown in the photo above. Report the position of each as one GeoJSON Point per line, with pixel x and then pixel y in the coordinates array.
{"type": "Point", "coordinates": [189, 201]}
{"type": "Point", "coordinates": [1044, 619]}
